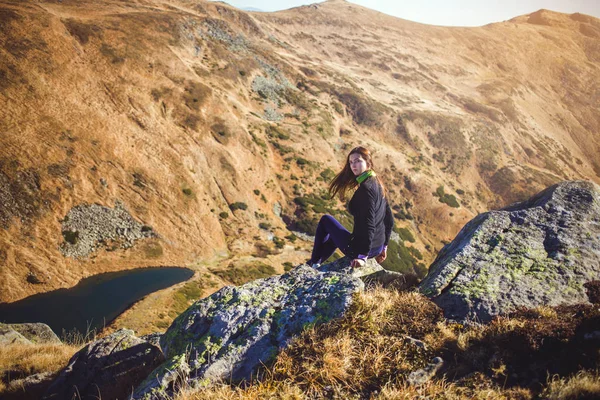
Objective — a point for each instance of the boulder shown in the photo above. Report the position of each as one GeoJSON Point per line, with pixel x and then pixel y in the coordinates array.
{"type": "Point", "coordinates": [36, 332]}
{"type": "Point", "coordinates": [229, 335]}
{"type": "Point", "coordinates": [9, 336]}
{"type": "Point", "coordinates": [538, 252]}
{"type": "Point", "coordinates": [108, 368]}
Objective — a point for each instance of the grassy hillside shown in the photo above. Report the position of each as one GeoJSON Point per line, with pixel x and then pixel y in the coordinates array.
{"type": "Point", "coordinates": [205, 124]}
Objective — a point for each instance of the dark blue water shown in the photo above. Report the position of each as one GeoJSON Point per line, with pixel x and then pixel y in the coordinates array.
{"type": "Point", "coordinates": [94, 302]}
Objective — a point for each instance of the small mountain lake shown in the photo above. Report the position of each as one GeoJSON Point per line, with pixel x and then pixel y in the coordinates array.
{"type": "Point", "coordinates": [94, 302]}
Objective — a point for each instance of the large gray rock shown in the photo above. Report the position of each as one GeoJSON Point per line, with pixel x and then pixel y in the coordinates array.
{"type": "Point", "coordinates": [108, 368]}
{"type": "Point", "coordinates": [538, 252]}
{"type": "Point", "coordinates": [228, 335]}
{"type": "Point", "coordinates": [36, 332]}
{"type": "Point", "coordinates": [9, 336]}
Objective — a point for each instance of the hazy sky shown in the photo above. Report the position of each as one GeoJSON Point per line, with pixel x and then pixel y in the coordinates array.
{"type": "Point", "coordinates": [446, 12]}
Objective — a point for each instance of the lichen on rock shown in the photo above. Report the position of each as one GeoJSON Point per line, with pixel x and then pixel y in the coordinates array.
{"type": "Point", "coordinates": [538, 252]}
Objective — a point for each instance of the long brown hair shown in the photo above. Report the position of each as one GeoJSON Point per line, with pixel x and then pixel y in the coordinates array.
{"type": "Point", "coordinates": [346, 179]}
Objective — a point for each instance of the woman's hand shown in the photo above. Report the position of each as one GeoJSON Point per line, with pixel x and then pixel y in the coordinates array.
{"type": "Point", "coordinates": [357, 262]}
{"type": "Point", "coordinates": [382, 256]}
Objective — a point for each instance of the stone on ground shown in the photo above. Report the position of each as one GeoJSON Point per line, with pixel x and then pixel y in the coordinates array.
{"type": "Point", "coordinates": [424, 375]}
{"type": "Point", "coordinates": [32, 387]}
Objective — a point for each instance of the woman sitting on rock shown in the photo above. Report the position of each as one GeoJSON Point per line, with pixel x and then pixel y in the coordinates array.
{"type": "Point", "coordinates": [373, 220]}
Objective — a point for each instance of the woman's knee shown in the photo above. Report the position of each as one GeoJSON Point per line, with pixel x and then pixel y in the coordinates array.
{"type": "Point", "coordinates": [329, 223]}
{"type": "Point", "coordinates": [327, 219]}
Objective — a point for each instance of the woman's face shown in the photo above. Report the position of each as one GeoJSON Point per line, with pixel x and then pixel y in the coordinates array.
{"type": "Point", "coordinates": [357, 164]}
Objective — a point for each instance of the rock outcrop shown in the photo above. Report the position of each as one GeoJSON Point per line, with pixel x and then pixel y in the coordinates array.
{"type": "Point", "coordinates": [107, 368]}
{"type": "Point", "coordinates": [230, 334]}
{"type": "Point", "coordinates": [9, 336]}
{"type": "Point", "coordinates": [28, 333]}
{"type": "Point", "coordinates": [538, 252]}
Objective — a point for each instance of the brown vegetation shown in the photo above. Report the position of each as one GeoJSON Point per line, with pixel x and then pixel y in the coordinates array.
{"type": "Point", "coordinates": [82, 31]}
{"type": "Point", "coordinates": [363, 111]}
{"type": "Point", "coordinates": [240, 274]}
{"type": "Point", "coordinates": [19, 361]}
{"type": "Point", "coordinates": [20, 194]}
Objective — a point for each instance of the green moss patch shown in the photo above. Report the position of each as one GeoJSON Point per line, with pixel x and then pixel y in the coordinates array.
{"type": "Point", "coordinates": [446, 198]}
{"type": "Point", "coordinates": [404, 260]}
{"type": "Point", "coordinates": [187, 295]}
{"type": "Point", "coordinates": [240, 274]}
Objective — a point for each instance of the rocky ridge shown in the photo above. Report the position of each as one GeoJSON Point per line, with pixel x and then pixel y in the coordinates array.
{"type": "Point", "coordinates": [494, 267]}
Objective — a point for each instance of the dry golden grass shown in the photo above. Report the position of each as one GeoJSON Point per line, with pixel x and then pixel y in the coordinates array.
{"type": "Point", "coordinates": [584, 385]}
{"type": "Point", "coordinates": [449, 391]}
{"type": "Point", "coordinates": [284, 391]}
{"type": "Point", "coordinates": [367, 348]}
{"type": "Point", "coordinates": [546, 312]}
{"type": "Point", "coordinates": [21, 360]}
{"type": "Point", "coordinates": [456, 335]}
{"type": "Point", "coordinates": [260, 391]}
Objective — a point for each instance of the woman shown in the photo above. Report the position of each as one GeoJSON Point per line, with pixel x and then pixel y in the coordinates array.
{"type": "Point", "coordinates": [373, 220]}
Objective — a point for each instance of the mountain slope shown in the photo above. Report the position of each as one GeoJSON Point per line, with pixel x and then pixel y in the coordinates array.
{"type": "Point", "coordinates": [176, 110]}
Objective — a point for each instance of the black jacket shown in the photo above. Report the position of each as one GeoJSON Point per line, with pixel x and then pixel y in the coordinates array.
{"type": "Point", "coordinates": [373, 219]}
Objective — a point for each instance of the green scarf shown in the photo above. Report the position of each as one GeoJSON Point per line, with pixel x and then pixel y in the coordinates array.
{"type": "Point", "coordinates": [363, 177]}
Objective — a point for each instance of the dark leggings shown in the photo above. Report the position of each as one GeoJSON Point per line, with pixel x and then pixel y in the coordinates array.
{"type": "Point", "coordinates": [332, 235]}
